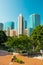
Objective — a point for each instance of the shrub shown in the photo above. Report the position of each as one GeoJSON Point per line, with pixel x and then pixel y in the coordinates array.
{"type": "Point", "coordinates": [16, 60]}
{"type": "Point", "coordinates": [19, 60]}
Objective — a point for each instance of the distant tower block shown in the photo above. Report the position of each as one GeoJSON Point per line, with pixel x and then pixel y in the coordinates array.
{"type": "Point", "coordinates": [1, 26]}
{"type": "Point", "coordinates": [20, 25]}
{"type": "Point", "coordinates": [9, 24]}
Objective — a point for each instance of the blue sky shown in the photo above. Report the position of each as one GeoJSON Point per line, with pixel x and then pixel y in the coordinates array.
{"type": "Point", "coordinates": [10, 9]}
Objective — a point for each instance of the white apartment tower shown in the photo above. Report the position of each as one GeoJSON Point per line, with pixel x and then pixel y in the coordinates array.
{"type": "Point", "coordinates": [20, 25]}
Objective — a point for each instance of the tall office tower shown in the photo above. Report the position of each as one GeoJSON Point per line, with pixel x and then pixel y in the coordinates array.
{"type": "Point", "coordinates": [1, 26]}
{"type": "Point", "coordinates": [34, 20]}
{"type": "Point", "coordinates": [20, 25]}
{"type": "Point", "coordinates": [9, 24]}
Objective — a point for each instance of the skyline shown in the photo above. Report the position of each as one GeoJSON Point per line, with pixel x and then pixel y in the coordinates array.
{"type": "Point", "coordinates": [22, 25]}
{"type": "Point", "coordinates": [10, 9]}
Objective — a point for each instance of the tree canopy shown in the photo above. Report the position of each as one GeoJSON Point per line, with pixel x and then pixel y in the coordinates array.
{"type": "Point", "coordinates": [23, 42]}
{"type": "Point", "coordinates": [37, 36]}
{"type": "Point", "coordinates": [20, 43]}
{"type": "Point", "coordinates": [3, 37]}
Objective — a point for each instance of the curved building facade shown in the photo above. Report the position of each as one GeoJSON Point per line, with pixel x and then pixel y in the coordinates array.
{"type": "Point", "coordinates": [9, 25]}
{"type": "Point", "coordinates": [34, 20]}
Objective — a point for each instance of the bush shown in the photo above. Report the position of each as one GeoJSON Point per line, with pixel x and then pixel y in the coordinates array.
{"type": "Point", "coordinates": [19, 60]}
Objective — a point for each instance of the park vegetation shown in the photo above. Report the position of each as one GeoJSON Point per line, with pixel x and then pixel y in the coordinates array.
{"type": "Point", "coordinates": [34, 43]}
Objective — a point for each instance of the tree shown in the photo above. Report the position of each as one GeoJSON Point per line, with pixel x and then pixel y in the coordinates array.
{"type": "Point", "coordinates": [9, 42]}
{"type": "Point", "coordinates": [37, 36]}
{"type": "Point", "coordinates": [23, 43]}
{"type": "Point", "coordinates": [3, 37]}
{"type": "Point", "coordinates": [20, 43]}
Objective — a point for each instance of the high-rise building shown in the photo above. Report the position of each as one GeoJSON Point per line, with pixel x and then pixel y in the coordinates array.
{"type": "Point", "coordinates": [25, 24]}
{"type": "Point", "coordinates": [1, 26]}
{"type": "Point", "coordinates": [27, 32]}
{"type": "Point", "coordinates": [30, 29]}
{"type": "Point", "coordinates": [20, 25]}
{"type": "Point", "coordinates": [10, 32]}
{"type": "Point", "coordinates": [9, 24]}
{"type": "Point", "coordinates": [34, 20]}
{"type": "Point", "coordinates": [13, 33]}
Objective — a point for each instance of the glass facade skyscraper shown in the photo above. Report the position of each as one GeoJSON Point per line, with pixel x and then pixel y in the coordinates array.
{"type": "Point", "coordinates": [1, 26]}
{"type": "Point", "coordinates": [34, 20]}
{"type": "Point", "coordinates": [9, 24]}
{"type": "Point", "coordinates": [25, 24]}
